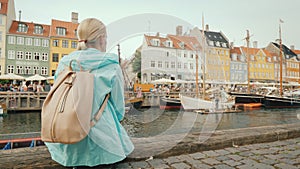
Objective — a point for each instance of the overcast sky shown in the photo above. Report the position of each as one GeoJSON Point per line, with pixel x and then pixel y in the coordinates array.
{"type": "Point", "coordinates": [232, 17]}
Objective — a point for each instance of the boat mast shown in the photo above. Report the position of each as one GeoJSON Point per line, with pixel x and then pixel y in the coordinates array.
{"type": "Point", "coordinates": [203, 59]}
{"type": "Point", "coordinates": [281, 58]}
{"type": "Point", "coordinates": [248, 61]}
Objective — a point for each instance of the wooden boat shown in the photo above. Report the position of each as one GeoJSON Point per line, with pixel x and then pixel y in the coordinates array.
{"type": "Point", "coordinates": [167, 102]}
{"type": "Point", "coordinates": [282, 101]}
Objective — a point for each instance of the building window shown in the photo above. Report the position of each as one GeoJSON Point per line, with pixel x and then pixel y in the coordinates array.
{"type": "Point", "coordinates": [179, 65]}
{"type": "Point", "coordinates": [10, 69]}
{"type": "Point", "coordinates": [20, 55]}
{"type": "Point", "coordinates": [11, 54]}
{"type": "Point", "coordinates": [44, 71]}
{"type": "Point", "coordinates": [27, 70]}
{"type": "Point", "coordinates": [36, 56]}
{"type": "Point", "coordinates": [28, 56]}
{"type": "Point", "coordinates": [1, 20]}
{"type": "Point", "coordinates": [0, 36]}
{"type": "Point", "coordinates": [173, 65]}
{"type": "Point", "coordinates": [19, 70]}
{"type": "Point", "coordinates": [74, 44]}
{"type": "Point", "coordinates": [20, 40]}
{"type": "Point", "coordinates": [166, 65]}
{"type": "Point", "coordinates": [61, 31]}
{"type": "Point", "coordinates": [11, 40]}
{"type": "Point", "coordinates": [185, 66]}
{"type": "Point", "coordinates": [22, 27]}
{"type": "Point", "coordinates": [44, 56]}
{"type": "Point", "coordinates": [152, 63]}
{"type": "Point", "coordinates": [159, 64]}
{"type": "Point", "coordinates": [55, 42]}
{"type": "Point", "coordinates": [65, 43]}
{"type": "Point", "coordinates": [28, 41]}
{"type": "Point", "coordinates": [55, 57]}
{"type": "Point", "coordinates": [38, 29]}
{"type": "Point", "coordinates": [45, 43]}
{"type": "Point", "coordinates": [37, 42]}
{"type": "Point", "coordinates": [36, 70]}
{"type": "Point", "coordinates": [191, 66]}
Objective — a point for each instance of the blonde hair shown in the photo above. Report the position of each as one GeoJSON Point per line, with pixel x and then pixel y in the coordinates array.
{"type": "Point", "coordinates": [88, 31]}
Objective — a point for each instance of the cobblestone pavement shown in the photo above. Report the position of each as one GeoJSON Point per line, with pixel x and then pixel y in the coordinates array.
{"type": "Point", "coordinates": [278, 155]}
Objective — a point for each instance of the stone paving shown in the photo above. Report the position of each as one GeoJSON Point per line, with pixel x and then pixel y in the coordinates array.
{"type": "Point", "coordinates": [275, 155]}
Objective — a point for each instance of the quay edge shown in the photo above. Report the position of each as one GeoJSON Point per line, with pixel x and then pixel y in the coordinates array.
{"type": "Point", "coordinates": [39, 157]}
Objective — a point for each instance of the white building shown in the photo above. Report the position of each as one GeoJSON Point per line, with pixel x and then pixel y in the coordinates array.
{"type": "Point", "coordinates": [171, 57]}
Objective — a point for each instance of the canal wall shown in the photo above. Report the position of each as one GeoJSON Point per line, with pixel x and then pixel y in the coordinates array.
{"type": "Point", "coordinates": [164, 145]}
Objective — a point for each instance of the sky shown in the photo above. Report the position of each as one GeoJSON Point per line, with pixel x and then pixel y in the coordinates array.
{"type": "Point", "coordinates": [128, 20]}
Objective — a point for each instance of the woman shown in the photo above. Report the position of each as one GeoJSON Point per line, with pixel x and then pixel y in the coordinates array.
{"type": "Point", "coordinates": [107, 142]}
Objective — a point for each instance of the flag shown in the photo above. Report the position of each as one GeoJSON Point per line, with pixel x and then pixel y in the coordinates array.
{"type": "Point", "coordinates": [281, 21]}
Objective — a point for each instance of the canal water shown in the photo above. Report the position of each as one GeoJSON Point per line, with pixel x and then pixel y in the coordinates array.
{"type": "Point", "coordinates": [153, 121]}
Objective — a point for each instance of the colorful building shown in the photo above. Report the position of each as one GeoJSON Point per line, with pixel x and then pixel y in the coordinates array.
{"type": "Point", "coordinates": [172, 57]}
{"type": "Point", "coordinates": [7, 15]}
{"type": "Point", "coordinates": [238, 66]}
{"type": "Point", "coordinates": [27, 49]}
{"type": "Point", "coordinates": [63, 40]}
{"type": "Point", "coordinates": [217, 54]}
{"type": "Point", "coordinates": [260, 66]}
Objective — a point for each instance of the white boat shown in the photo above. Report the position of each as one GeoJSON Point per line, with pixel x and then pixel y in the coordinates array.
{"type": "Point", "coordinates": [191, 103]}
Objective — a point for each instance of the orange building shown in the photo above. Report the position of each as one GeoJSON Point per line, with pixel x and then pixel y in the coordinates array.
{"type": "Point", "coordinates": [63, 40]}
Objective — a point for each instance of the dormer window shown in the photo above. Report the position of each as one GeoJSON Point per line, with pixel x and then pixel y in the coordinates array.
{"type": "Point", "coordinates": [61, 31]}
{"type": "Point", "coordinates": [22, 27]}
{"type": "Point", "coordinates": [234, 56]}
{"type": "Point", "coordinates": [224, 45]}
{"type": "Point", "coordinates": [274, 58]}
{"type": "Point", "coordinates": [269, 59]}
{"type": "Point", "coordinates": [252, 57]}
{"type": "Point", "coordinates": [211, 43]}
{"type": "Point", "coordinates": [181, 45]}
{"type": "Point", "coordinates": [75, 31]}
{"type": "Point", "coordinates": [218, 44]}
{"type": "Point", "coordinates": [169, 44]}
{"type": "Point", "coordinates": [155, 42]}
{"type": "Point", "coordinates": [38, 29]}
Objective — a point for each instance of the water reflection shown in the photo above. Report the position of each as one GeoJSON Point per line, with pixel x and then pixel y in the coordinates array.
{"type": "Point", "coordinates": [152, 122]}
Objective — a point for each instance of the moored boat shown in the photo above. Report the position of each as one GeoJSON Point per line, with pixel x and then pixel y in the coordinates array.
{"type": "Point", "coordinates": [169, 103]}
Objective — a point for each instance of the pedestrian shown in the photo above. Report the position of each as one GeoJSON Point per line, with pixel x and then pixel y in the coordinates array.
{"type": "Point", "coordinates": [107, 142]}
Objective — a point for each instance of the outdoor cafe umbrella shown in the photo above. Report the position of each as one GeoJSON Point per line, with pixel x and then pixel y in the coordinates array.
{"type": "Point", "coordinates": [35, 77]}
{"type": "Point", "coordinates": [163, 81]}
{"type": "Point", "coordinates": [11, 76]}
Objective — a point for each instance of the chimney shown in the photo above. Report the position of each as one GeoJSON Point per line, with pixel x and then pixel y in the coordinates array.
{"type": "Point", "coordinates": [74, 18]}
{"type": "Point", "coordinates": [179, 30]}
{"type": "Point", "coordinates": [231, 45]}
{"type": "Point", "coordinates": [292, 47]}
{"type": "Point", "coordinates": [255, 44]}
{"type": "Point", "coordinates": [157, 34]}
{"type": "Point", "coordinates": [20, 13]}
{"type": "Point", "coordinates": [206, 27]}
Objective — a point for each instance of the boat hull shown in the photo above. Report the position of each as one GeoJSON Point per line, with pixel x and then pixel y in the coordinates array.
{"type": "Point", "coordinates": [169, 103]}
{"type": "Point", "coordinates": [190, 103]}
{"type": "Point", "coordinates": [281, 102]}
{"type": "Point", "coordinates": [247, 98]}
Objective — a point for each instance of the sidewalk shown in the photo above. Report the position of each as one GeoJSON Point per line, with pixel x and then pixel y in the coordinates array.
{"type": "Point", "coordinates": [257, 147]}
{"type": "Point", "coordinates": [275, 155]}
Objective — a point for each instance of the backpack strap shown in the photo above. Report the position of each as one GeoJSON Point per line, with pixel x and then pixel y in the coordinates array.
{"type": "Point", "coordinates": [97, 116]}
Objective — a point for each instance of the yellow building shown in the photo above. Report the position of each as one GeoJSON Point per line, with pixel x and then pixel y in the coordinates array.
{"type": "Point", "coordinates": [63, 40]}
{"type": "Point", "coordinates": [261, 65]}
{"type": "Point", "coordinates": [217, 54]}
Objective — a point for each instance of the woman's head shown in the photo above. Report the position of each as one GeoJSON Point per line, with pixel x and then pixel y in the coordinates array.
{"type": "Point", "coordinates": [91, 32]}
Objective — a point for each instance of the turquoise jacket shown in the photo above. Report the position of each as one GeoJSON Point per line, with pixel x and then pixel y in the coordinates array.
{"type": "Point", "coordinates": [107, 141]}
